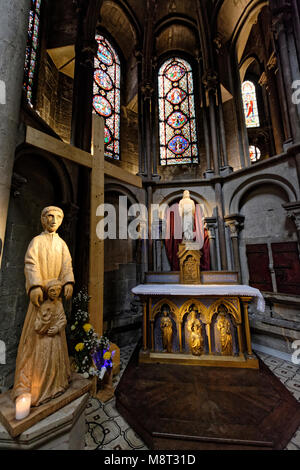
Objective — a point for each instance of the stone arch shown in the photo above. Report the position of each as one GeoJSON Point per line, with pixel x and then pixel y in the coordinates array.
{"type": "Point", "coordinates": [275, 180]}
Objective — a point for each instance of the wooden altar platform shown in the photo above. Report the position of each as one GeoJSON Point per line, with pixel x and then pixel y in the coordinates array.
{"type": "Point", "coordinates": [174, 407]}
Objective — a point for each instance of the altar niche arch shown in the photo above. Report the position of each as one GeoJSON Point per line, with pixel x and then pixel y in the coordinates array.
{"type": "Point", "coordinates": [233, 315]}
{"type": "Point", "coordinates": [156, 314]}
{"type": "Point", "coordinates": [184, 316]}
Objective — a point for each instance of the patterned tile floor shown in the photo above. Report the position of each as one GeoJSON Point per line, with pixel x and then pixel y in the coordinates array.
{"type": "Point", "coordinates": [107, 430]}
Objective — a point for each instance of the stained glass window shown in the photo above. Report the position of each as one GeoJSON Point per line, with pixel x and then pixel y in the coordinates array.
{"type": "Point", "coordinates": [250, 104]}
{"type": "Point", "coordinates": [255, 153]}
{"type": "Point", "coordinates": [106, 102]}
{"type": "Point", "coordinates": [177, 120]}
{"type": "Point", "coordinates": [32, 48]}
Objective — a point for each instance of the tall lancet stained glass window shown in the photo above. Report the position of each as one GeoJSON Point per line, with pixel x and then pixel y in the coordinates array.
{"type": "Point", "coordinates": [250, 104]}
{"type": "Point", "coordinates": [106, 102]}
{"type": "Point", "coordinates": [32, 48]}
{"type": "Point", "coordinates": [177, 120]}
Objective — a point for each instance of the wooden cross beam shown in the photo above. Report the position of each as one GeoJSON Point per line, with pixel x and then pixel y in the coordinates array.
{"type": "Point", "coordinates": [99, 168]}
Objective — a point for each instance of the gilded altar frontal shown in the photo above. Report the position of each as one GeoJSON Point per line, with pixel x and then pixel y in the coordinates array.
{"type": "Point", "coordinates": [150, 225]}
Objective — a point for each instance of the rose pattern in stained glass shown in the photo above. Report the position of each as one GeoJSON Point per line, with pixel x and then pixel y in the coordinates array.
{"type": "Point", "coordinates": [102, 106]}
{"type": "Point", "coordinates": [178, 144]}
{"type": "Point", "coordinates": [175, 72]}
{"type": "Point", "coordinates": [106, 90]}
{"type": "Point", "coordinates": [176, 96]}
{"type": "Point", "coordinates": [103, 80]}
{"type": "Point", "coordinates": [177, 120]}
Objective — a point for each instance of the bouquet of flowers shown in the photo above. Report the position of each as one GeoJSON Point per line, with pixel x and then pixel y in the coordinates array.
{"type": "Point", "coordinates": [91, 353]}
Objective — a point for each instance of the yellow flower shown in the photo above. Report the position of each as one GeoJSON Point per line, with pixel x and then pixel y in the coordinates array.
{"type": "Point", "coordinates": [107, 356]}
{"type": "Point", "coordinates": [87, 327]}
{"type": "Point", "coordinates": [79, 347]}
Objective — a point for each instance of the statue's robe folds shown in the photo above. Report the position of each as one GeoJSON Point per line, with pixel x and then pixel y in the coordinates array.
{"type": "Point", "coordinates": [47, 257]}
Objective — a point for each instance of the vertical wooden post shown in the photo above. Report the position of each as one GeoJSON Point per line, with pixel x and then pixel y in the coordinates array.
{"type": "Point", "coordinates": [96, 274]}
{"type": "Point", "coordinates": [245, 301]}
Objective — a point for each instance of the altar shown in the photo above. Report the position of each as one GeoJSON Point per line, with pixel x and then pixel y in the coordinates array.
{"type": "Point", "coordinates": [205, 325]}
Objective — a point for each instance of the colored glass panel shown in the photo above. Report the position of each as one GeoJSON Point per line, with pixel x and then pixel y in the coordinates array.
{"type": "Point", "coordinates": [175, 72]}
{"type": "Point", "coordinates": [178, 144]}
{"type": "Point", "coordinates": [102, 106]}
{"type": "Point", "coordinates": [250, 104]}
{"type": "Point", "coordinates": [177, 119]}
{"type": "Point", "coordinates": [176, 96]}
{"type": "Point", "coordinates": [255, 153]}
{"type": "Point", "coordinates": [106, 90]}
{"type": "Point", "coordinates": [32, 46]}
{"type": "Point", "coordinates": [103, 80]}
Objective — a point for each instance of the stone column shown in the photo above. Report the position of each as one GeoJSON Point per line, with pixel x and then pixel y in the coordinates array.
{"type": "Point", "coordinates": [211, 226]}
{"type": "Point", "coordinates": [210, 80]}
{"type": "Point", "coordinates": [235, 223]}
{"type": "Point", "coordinates": [282, 25]}
{"type": "Point", "coordinates": [14, 17]}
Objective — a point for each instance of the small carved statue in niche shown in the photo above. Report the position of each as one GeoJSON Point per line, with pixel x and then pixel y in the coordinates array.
{"type": "Point", "coordinates": [196, 338]}
{"type": "Point", "coordinates": [167, 330]}
{"type": "Point", "coordinates": [187, 213]}
{"type": "Point", "coordinates": [223, 326]}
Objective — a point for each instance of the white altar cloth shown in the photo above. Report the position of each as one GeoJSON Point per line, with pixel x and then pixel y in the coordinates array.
{"type": "Point", "coordinates": [202, 290]}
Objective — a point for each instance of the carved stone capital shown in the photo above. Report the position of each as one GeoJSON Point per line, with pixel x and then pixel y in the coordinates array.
{"type": "Point", "coordinates": [293, 212]}
{"type": "Point", "coordinates": [210, 224]}
{"type": "Point", "coordinates": [87, 51]}
{"type": "Point", "coordinates": [147, 90]}
{"type": "Point", "coordinates": [263, 80]}
{"type": "Point", "coordinates": [235, 222]}
{"type": "Point", "coordinates": [272, 62]}
{"type": "Point", "coordinates": [210, 80]}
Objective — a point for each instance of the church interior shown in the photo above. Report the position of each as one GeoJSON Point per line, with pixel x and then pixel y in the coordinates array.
{"type": "Point", "coordinates": [130, 103]}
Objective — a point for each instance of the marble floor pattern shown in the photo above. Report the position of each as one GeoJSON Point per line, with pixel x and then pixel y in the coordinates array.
{"type": "Point", "coordinates": [107, 430]}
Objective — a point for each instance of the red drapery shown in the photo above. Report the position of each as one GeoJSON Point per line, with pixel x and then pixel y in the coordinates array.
{"type": "Point", "coordinates": [173, 232]}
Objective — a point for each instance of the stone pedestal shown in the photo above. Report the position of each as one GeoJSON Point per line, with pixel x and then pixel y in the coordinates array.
{"type": "Point", "coordinates": [63, 430]}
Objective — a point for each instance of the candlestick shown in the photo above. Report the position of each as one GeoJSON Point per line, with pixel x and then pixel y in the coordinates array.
{"type": "Point", "coordinates": [102, 372]}
{"type": "Point", "coordinates": [23, 403]}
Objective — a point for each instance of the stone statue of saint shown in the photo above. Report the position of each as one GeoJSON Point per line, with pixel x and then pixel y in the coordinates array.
{"type": "Point", "coordinates": [196, 338]}
{"type": "Point", "coordinates": [223, 325]}
{"type": "Point", "coordinates": [187, 214]}
{"type": "Point", "coordinates": [43, 367]}
{"type": "Point", "coordinates": [167, 330]}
